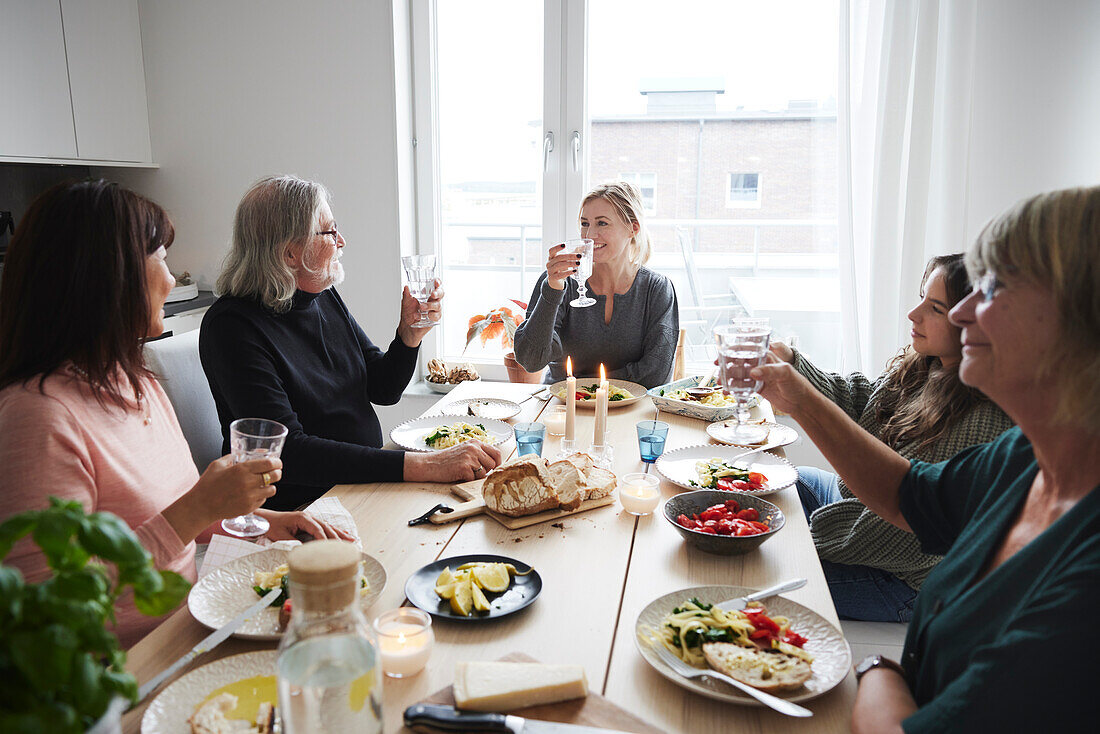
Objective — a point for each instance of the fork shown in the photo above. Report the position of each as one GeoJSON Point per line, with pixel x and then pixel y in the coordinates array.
{"type": "Point", "coordinates": [687, 671]}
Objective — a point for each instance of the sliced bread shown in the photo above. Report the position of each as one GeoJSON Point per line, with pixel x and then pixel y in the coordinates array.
{"type": "Point", "coordinates": [767, 670]}
{"type": "Point", "coordinates": [569, 483]}
{"type": "Point", "coordinates": [523, 487]}
{"type": "Point", "coordinates": [599, 483]}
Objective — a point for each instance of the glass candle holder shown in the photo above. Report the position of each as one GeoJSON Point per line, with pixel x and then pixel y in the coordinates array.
{"type": "Point", "coordinates": [405, 641]}
{"type": "Point", "coordinates": [554, 419]}
{"type": "Point", "coordinates": [602, 454]}
{"type": "Point", "coordinates": [567, 446]}
{"type": "Point", "coordinates": [640, 493]}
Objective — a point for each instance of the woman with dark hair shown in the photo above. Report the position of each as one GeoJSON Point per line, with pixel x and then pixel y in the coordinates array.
{"type": "Point", "coordinates": [920, 409]}
{"type": "Point", "coordinates": [81, 416]}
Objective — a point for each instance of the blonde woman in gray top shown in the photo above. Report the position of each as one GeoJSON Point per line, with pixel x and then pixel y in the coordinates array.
{"type": "Point", "coordinates": [632, 328]}
{"type": "Point", "coordinates": [920, 409]}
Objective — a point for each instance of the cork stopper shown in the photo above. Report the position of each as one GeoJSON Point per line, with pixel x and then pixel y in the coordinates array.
{"type": "Point", "coordinates": [325, 575]}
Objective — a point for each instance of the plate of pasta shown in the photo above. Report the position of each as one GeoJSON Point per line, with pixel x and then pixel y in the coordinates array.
{"type": "Point", "coordinates": [440, 432]}
{"type": "Point", "coordinates": [619, 393]}
{"type": "Point", "coordinates": [683, 621]}
{"type": "Point", "coordinates": [708, 466]}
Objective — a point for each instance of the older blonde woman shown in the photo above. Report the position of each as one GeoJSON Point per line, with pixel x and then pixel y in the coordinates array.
{"type": "Point", "coordinates": [632, 328]}
{"type": "Point", "coordinates": [1002, 634]}
{"type": "Point", "coordinates": [280, 344]}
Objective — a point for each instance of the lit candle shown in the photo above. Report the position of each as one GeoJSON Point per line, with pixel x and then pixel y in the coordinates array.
{"type": "Point", "coordinates": [554, 420]}
{"type": "Point", "coordinates": [603, 377]}
{"type": "Point", "coordinates": [570, 401]}
{"type": "Point", "coordinates": [405, 641]}
{"type": "Point", "coordinates": [640, 493]}
{"type": "Point", "coordinates": [601, 416]}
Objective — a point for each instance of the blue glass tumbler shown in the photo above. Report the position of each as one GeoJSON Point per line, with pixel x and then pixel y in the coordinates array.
{"type": "Point", "coordinates": [651, 439]}
{"type": "Point", "coordinates": [529, 438]}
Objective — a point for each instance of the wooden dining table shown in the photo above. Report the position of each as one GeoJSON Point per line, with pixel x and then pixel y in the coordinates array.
{"type": "Point", "coordinates": [599, 570]}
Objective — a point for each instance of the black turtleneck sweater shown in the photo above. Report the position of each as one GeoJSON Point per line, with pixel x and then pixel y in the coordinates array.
{"type": "Point", "coordinates": [315, 371]}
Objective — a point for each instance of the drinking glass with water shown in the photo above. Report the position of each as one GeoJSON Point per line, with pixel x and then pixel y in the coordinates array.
{"type": "Point", "coordinates": [584, 271]}
{"type": "Point", "coordinates": [253, 438]}
{"type": "Point", "coordinates": [651, 440]}
{"type": "Point", "coordinates": [529, 438]}
{"type": "Point", "coordinates": [420, 274]}
{"type": "Point", "coordinates": [743, 346]}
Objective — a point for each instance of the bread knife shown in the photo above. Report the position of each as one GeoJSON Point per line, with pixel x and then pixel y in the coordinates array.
{"type": "Point", "coordinates": [447, 718]}
{"type": "Point", "coordinates": [208, 643]}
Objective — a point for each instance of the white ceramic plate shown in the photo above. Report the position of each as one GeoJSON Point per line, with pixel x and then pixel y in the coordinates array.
{"type": "Point", "coordinates": [225, 592]}
{"type": "Point", "coordinates": [497, 408]}
{"type": "Point", "coordinates": [832, 656]}
{"type": "Point", "coordinates": [631, 387]}
{"type": "Point", "coordinates": [778, 434]}
{"type": "Point", "coordinates": [169, 711]}
{"type": "Point", "coordinates": [410, 434]}
{"type": "Point", "coordinates": [678, 466]}
{"type": "Point", "coordinates": [446, 387]}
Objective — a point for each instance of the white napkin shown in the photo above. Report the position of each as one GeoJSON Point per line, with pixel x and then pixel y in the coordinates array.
{"type": "Point", "coordinates": [225, 548]}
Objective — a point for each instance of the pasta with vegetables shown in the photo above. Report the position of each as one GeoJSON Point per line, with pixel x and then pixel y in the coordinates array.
{"type": "Point", "coordinates": [444, 437]}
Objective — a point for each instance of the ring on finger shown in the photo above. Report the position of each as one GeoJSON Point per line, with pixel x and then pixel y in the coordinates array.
{"type": "Point", "coordinates": [267, 479]}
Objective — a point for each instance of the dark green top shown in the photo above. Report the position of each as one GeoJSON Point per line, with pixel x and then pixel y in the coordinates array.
{"type": "Point", "coordinates": [1021, 646]}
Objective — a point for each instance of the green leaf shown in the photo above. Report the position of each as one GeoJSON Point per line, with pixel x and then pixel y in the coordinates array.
{"type": "Point", "coordinates": [83, 585]}
{"type": "Point", "coordinates": [14, 528]}
{"type": "Point", "coordinates": [44, 656]}
{"type": "Point", "coordinates": [120, 682]}
{"type": "Point", "coordinates": [174, 589]}
{"type": "Point", "coordinates": [54, 533]}
{"type": "Point", "coordinates": [89, 694]}
{"type": "Point", "coordinates": [11, 594]}
{"type": "Point", "coordinates": [105, 535]}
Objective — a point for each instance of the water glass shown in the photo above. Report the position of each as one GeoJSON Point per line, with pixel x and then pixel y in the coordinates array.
{"type": "Point", "coordinates": [253, 438]}
{"type": "Point", "coordinates": [584, 271]}
{"type": "Point", "coordinates": [742, 346]}
{"type": "Point", "coordinates": [651, 439]}
{"type": "Point", "coordinates": [420, 274]}
{"type": "Point", "coordinates": [529, 438]}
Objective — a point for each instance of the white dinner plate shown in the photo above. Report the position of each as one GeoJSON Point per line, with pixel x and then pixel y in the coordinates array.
{"type": "Point", "coordinates": [633, 388]}
{"type": "Point", "coordinates": [410, 434]}
{"type": "Point", "coordinates": [219, 596]}
{"type": "Point", "coordinates": [832, 656]}
{"type": "Point", "coordinates": [169, 711]}
{"type": "Point", "coordinates": [497, 408]}
{"type": "Point", "coordinates": [778, 434]}
{"type": "Point", "coordinates": [678, 466]}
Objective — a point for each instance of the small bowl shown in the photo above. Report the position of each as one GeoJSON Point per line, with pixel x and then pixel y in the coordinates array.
{"type": "Point", "coordinates": [446, 387]}
{"type": "Point", "coordinates": [691, 503]}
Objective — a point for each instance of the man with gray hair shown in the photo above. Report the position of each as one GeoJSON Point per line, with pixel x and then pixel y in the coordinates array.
{"type": "Point", "coordinates": [280, 344]}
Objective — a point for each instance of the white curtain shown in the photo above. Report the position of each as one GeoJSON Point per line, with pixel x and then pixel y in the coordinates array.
{"type": "Point", "coordinates": [906, 71]}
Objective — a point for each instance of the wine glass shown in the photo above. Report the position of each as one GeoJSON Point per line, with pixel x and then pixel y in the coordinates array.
{"type": "Point", "coordinates": [742, 345]}
{"type": "Point", "coordinates": [253, 438]}
{"type": "Point", "coordinates": [584, 271]}
{"type": "Point", "coordinates": [420, 272]}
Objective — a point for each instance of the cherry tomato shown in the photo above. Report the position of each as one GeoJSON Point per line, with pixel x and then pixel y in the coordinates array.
{"type": "Point", "coordinates": [749, 513]}
{"type": "Point", "coordinates": [582, 396]}
{"type": "Point", "coordinates": [708, 531]}
{"type": "Point", "coordinates": [733, 505]}
{"type": "Point", "coordinates": [725, 484]}
{"type": "Point", "coordinates": [793, 638]}
{"type": "Point", "coordinates": [713, 524]}
{"type": "Point", "coordinates": [685, 521]}
{"type": "Point", "coordinates": [713, 513]}
{"type": "Point", "coordinates": [757, 479]}
{"type": "Point", "coordinates": [726, 527]}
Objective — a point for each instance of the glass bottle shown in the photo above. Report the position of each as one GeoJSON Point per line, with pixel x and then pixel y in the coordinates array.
{"type": "Point", "coordinates": [329, 673]}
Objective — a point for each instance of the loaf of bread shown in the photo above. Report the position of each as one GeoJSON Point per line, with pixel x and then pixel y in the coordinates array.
{"type": "Point", "coordinates": [531, 484]}
{"type": "Point", "coordinates": [768, 670]}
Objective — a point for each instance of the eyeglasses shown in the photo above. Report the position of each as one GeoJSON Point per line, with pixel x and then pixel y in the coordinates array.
{"type": "Point", "coordinates": [334, 233]}
{"type": "Point", "coordinates": [987, 285]}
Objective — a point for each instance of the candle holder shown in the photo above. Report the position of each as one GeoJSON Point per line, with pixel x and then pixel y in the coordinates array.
{"type": "Point", "coordinates": [405, 641]}
{"type": "Point", "coordinates": [568, 446]}
{"type": "Point", "coordinates": [602, 454]}
{"type": "Point", "coordinates": [639, 493]}
{"type": "Point", "coordinates": [554, 418]}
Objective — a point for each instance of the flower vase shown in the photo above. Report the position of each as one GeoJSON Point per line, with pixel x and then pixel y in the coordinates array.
{"type": "Point", "coordinates": [516, 373]}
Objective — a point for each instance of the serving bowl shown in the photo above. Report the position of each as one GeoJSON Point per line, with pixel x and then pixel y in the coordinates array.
{"type": "Point", "coordinates": [691, 503]}
{"type": "Point", "coordinates": [692, 409]}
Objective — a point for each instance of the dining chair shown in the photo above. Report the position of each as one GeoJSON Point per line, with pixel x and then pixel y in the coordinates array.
{"type": "Point", "coordinates": [175, 362]}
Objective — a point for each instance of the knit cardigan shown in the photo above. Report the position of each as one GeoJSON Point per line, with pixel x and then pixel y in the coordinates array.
{"type": "Point", "coordinates": [849, 533]}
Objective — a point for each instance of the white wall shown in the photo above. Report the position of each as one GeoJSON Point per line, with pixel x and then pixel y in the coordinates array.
{"type": "Point", "coordinates": [1036, 102]}
{"type": "Point", "coordinates": [239, 90]}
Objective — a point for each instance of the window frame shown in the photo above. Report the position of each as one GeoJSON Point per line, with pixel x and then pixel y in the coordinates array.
{"type": "Point", "coordinates": [741, 203]}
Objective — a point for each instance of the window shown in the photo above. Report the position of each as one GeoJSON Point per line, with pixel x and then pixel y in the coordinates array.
{"type": "Point", "coordinates": [744, 190]}
{"type": "Point", "coordinates": [646, 183]}
{"type": "Point", "coordinates": [506, 151]}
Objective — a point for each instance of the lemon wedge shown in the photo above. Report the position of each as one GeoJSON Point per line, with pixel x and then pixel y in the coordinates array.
{"type": "Point", "coordinates": [462, 599]}
{"type": "Point", "coordinates": [492, 577]}
{"type": "Point", "coordinates": [445, 578]}
{"type": "Point", "coordinates": [480, 602]}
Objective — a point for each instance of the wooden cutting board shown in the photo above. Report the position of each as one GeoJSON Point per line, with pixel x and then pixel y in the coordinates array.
{"type": "Point", "coordinates": [474, 504]}
{"type": "Point", "coordinates": [595, 710]}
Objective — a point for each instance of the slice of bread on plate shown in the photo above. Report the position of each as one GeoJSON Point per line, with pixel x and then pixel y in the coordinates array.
{"type": "Point", "coordinates": [767, 670]}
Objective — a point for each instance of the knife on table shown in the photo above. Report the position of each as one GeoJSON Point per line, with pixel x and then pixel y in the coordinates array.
{"type": "Point", "coordinates": [208, 643]}
{"type": "Point", "coordinates": [448, 719]}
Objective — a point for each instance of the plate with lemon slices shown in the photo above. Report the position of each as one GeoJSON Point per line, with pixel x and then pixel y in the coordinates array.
{"type": "Point", "coordinates": [474, 588]}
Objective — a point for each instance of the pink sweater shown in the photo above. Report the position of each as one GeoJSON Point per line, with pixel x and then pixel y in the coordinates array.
{"type": "Point", "coordinates": [64, 443]}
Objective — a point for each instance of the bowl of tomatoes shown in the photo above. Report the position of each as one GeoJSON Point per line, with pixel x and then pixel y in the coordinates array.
{"type": "Point", "coordinates": [723, 522]}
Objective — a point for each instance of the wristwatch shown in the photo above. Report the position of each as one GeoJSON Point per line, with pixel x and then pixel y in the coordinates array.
{"type": "Point", "coordinates": [877, 661]}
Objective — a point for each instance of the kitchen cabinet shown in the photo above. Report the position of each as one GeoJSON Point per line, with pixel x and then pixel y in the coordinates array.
{"type": "Point", "coordinates": [76, 83]}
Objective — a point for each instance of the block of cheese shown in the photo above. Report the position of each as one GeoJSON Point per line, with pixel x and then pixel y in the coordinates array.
{"type": "Point", "coordinates": [493, 686]}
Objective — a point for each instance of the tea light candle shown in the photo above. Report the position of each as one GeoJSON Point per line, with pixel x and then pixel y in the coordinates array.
{"type": "Point", "coordinates": [640, 493]}
{"type": "Point", "coordinates": [570, 401]}
{"type": "Point", "coordinates": [555, 419]}
{"type": "Point", "coordinates": [405, 641]}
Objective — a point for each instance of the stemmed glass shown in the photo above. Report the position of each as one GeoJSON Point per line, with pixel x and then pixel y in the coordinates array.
{"type": "Point", "coordinates": [253, 438]}
{"type": "Point", "coordinates": [420, 272]}
{"type": "Point", "coordinates": [584, 271]}
{"type": "Point", "coordinates": [742, 345]}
